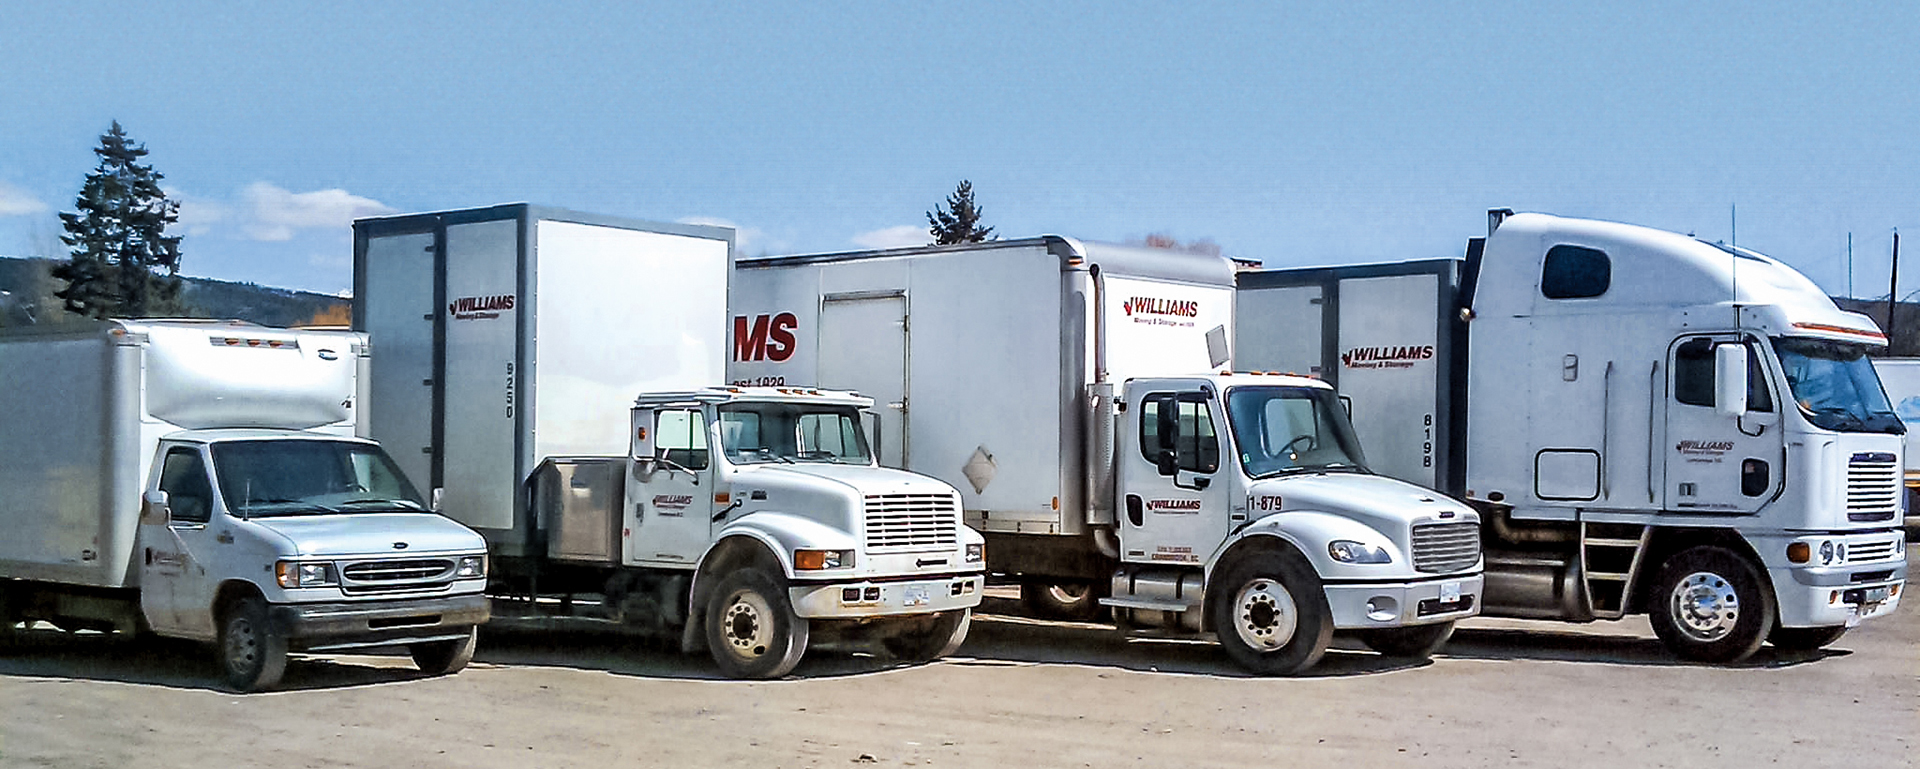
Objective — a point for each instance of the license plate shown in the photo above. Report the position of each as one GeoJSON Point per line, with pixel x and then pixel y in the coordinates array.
{"type": "Point", "coordinates": [914, 595]}
{"type": "Point", "coordinates": [1877, 595]}
{"type": "Point", "coordinates": [1449, 592]}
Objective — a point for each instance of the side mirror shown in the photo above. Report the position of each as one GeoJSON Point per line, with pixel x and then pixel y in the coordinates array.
{"type": "Point", "coordinates": [154, 509]}
{"type": "Point", "coordinates": [1730, 379]}
{"type": "Point", "coordinates": [1167, 462]}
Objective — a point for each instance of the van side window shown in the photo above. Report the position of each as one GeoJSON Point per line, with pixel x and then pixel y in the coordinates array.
{"type": "Point", "coordinates": [1573, 272]}
{"type": "Point", "coordinates": [682, 435]}
{"type": "Point", "coordinates": [1195, 445]}
{"type": "Point", "coordinates": [183, 476]}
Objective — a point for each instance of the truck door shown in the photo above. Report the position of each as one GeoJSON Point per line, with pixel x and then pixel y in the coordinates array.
{"type": "Point", "coordinates": [172, 569]}
{"type": "Point", "coordinates": [670, 498]}
{"type": "Point", "coordinates": [1173, 510]}
{"type": "Point", "coordinates": [1716, 463]}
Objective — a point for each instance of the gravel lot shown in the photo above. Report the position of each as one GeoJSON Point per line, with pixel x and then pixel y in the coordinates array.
{"type": "Point", "coordinates": [1020, 693]}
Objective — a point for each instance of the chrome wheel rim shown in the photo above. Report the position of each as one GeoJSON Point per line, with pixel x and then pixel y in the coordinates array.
{"type": "Point", "coordinates": [1704, 606]}
{"type": "Point", "coordinates": [1265, 615]}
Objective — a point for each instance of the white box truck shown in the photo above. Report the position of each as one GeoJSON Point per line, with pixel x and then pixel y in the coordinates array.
{"type": "Point", "coordinates": [1648, 423]}
{"type": "Point", "coordinates": [1065, 388]}
{"type": "Point", "coordinates": [202, 480]}
{"type": "Point", "coordinates": [552, 376]}
{"type": "Point", "coordinates": [1902, 379]}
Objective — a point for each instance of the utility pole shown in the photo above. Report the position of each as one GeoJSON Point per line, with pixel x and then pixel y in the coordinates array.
{"type": "Point", "coordinates": [1893, 289]}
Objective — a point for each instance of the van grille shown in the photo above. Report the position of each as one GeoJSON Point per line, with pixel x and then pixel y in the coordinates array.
{"type": "Point", "coordinates": [363, 577]}
{"type": "Point", "coordinates": [1873, 487]}
{"type": "Point", "coordinates": [1445, 547]}
{"type": "Point", "coordinates": [911, 522]}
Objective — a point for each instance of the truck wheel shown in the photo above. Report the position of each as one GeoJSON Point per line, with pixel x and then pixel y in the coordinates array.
{"type": "Point", "coordinates": [752, 631]}
{"type": "Point", "coordinates": [10, 630]}
{"type": "Point", "coordinates": [1710, 605]}
{"type": "Point", "coordinates": [439, 658]}
{"type": "Point", "coordinates": [1073, 602]}
{"type": "Point", "coordinates": [1270, 612]}
{"type": "Point", "coordinates": [1414, 642]}
{"type": "Point", "coordinates": [252, 652]}
{"type": "Point", "coordinates": [930, 638]}
{"type": "Point", "coordinates": [1805, 639]}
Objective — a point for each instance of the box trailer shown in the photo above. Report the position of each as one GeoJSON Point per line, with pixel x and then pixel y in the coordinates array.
{"type": "Point", "coordinates": [1647, 422]}
{"type": "Point", "coordinates": [202, 480]}
{"type": "Point", "coordinates": [553, 377]}
{"type": "Point", "coordinates": [1073, 392]}
{"type": "Point", "coordinates": [1901, 376]}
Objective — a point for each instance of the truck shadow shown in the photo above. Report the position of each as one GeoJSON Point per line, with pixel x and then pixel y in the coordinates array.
{"type": "Point", "coordinates": [1563, 646]}
{"type": "Point", "coordinates": [176, 664]}
{"type": "Point", "coordinates": [1006, 639]}
{"type": "Point", "coordinates": [558, 642]}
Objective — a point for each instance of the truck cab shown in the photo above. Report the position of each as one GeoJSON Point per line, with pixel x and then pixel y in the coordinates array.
{"type": "Point", "coordinates": [1248, 510]}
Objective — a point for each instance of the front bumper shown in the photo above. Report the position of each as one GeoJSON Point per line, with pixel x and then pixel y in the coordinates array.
{"type": "Point", "coordinates": [1821, 597]}
{"type": "Point", "coordinates": [867, 598]}
{"type": "Point", "coordinates": [328, 626]}
{"type": "Point", "coordinates": [1358, 606]}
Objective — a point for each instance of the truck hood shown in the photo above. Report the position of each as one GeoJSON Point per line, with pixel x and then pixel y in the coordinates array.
{"type": "Point", "coordinates": [834, 495]}
{"type": "Point", "coordinates": [373, 534]}
{"type": "Point", "coordinates": [860, 479]}
{"type": "Point", "coordinates": [1385, 504]}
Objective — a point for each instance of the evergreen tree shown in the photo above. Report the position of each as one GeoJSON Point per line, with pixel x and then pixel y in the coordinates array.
{"type": "Point", "coordinates": [959, 222]}
{"type": "Point", "coordinates": [121, 262]}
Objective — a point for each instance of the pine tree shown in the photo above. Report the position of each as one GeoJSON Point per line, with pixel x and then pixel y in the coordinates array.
{"type": "Point", "coordinates": [959, 222]}
{"type": "Point", "coordinates": [121, 262]}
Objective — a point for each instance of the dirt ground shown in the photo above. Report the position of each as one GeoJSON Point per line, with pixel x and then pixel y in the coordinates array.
{"type": "Point", "coordinates": [1020, 693]}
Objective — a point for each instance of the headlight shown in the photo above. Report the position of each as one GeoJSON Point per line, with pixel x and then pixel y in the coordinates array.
{"type": "Point", "coordinates": [814, 560]}
{"type": "Point", "coordinates": [1826, 552]}
{"type": "Point", "coordinates": [470, 567]}
{"type": "Point", "coordinates": [976, 553]}
{"type": "Point", "coordinates": [1349, 551]}
{"type": "Point", "coordinates": [294, 574]}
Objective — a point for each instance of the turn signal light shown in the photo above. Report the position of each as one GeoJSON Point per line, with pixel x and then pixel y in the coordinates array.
{"type": "Point", "coordinates": [1799, 552]}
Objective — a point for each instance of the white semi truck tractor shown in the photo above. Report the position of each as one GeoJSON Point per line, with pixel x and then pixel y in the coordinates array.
{"type": "Point", "coordinates": [202, 480]}
{"type": "Point", "coordinates": [1647, 423]}
{"type": "Point", "coordinates": [552, 377]}
{"type": "Point", "coordinates": [1072, 392]}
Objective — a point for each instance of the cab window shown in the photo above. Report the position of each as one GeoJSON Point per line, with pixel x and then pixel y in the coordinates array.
{"type": "Point", "coordinates": [681, 436]}
{"type": "Point", "coordinates": [183, 476]}
{"type": "Point", "coordinates": [1183, 424]}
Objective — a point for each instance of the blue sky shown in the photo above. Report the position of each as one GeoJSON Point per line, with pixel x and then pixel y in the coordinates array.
{"type": "Point", "coordinates": [1293, 133]}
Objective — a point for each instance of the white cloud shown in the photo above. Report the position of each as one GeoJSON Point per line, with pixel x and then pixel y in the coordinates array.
{"type": "Point", "coordinates": [18, 202]}
{"type": "Point", "coordinates": [197, 214]}
{"type": "Point", "coordinates": [747, 241]}
{"type": "Point", "coordinates": [894, 237]}
{"type": "Point", "coordinates": [273, 213]}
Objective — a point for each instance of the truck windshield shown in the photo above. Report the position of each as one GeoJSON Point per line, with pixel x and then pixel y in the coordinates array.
{"type": "Point", "coordinates": [307, 477]}
{"type": "Point", "coordinates": [1291, 429]}
{"type": "Point", "coordinates": [756, 433]}
{"type": "Point", "coordinates": [1836, 386]}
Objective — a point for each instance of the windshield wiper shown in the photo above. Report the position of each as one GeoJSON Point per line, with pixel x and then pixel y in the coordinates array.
{"type": "Point", "coordinates": [291, 507]}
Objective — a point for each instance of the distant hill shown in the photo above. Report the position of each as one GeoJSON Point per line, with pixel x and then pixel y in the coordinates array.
{"type": "Point", "coordinates": [27, 298]}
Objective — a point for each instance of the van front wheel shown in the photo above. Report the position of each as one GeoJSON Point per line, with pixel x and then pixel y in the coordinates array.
{"type": "Point", "coordinates": [252, 652]}
{"type": "Point", "coordinates": [439, 658]}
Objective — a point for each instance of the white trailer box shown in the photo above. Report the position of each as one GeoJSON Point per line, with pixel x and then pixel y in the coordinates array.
{"type": "Point", "coordinates": [508, 334]}
{"type": "Point", "coordinates": [979, 359]}
{"type": "Point", "coordinates": [1901, 377]}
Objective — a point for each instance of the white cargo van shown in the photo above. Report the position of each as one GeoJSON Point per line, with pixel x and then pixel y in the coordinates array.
{"type": "Point", "coordinates": [202, 480]}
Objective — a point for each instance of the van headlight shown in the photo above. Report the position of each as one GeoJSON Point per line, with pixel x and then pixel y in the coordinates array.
{"type": "Point", "coordinates": [471, 567]}
{"type": "Point", "coordinates": [1349, 551]}
{"type": "Point", "coordinates": [296, 574]}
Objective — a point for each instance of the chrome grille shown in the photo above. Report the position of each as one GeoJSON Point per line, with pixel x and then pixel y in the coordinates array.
{"type": "Point", "coordinates": [1873, 487]}
{"type": "Point", "coordinates": [361, 577]}
{"type": "Point", "coordinates": [1445, 547]}
{"type": "Point", "coordinates": [911, 521]}
{"type": "Point", "coordinates": [1860, 552]}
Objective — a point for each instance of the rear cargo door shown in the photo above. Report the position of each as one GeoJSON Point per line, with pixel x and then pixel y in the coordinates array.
{"type": "Point", "coordinates": [1279, 329]}
{"type": "Point", "coordinates": [864, 348]}
{"type": "Point", "coordinates": [401, 308]}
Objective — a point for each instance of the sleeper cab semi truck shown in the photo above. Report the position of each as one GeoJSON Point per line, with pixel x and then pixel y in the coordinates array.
{"type": "Point", "coordinates": [1648, 423]}
{"type": "Point", "coordinates": [202, 480]}
{"type": "Point", "coordinates": [578, 427]}
{"type": "Point", "coordinates": [1061, 386]}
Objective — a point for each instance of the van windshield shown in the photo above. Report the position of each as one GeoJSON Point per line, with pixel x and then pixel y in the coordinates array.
{"type": "Point", "coordinates": [1836, 386]}
{"type": "Point", "coordinates": [1291, 429]}
{"type": "Point", "coordinates": [310, 477]}
{"type": "Point", "coordinates": [757, 433]}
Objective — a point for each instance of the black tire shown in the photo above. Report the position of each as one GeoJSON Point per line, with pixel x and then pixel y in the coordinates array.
{"type": "Point", "coordinates": [1070, 601]}
{"type": "Point", "coordinates": [10, 630]}
{"type": "Point", "coordinates": [930, 638]}
{"type": "Point", "coordinates": [1805, 639]}
{"type": "Point", "coordinates": [439, 658]}
{"type": "Point", "coordinates": [1414, 641]}
{"type": "Point", "coordinates": [1710, 605]}
{"type": "Point", "coordinates": [752, 631]}
{"type": "Point", "coordinates": [253, 653]}
{"type": "Point", "coordinates": [1270, 613]}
